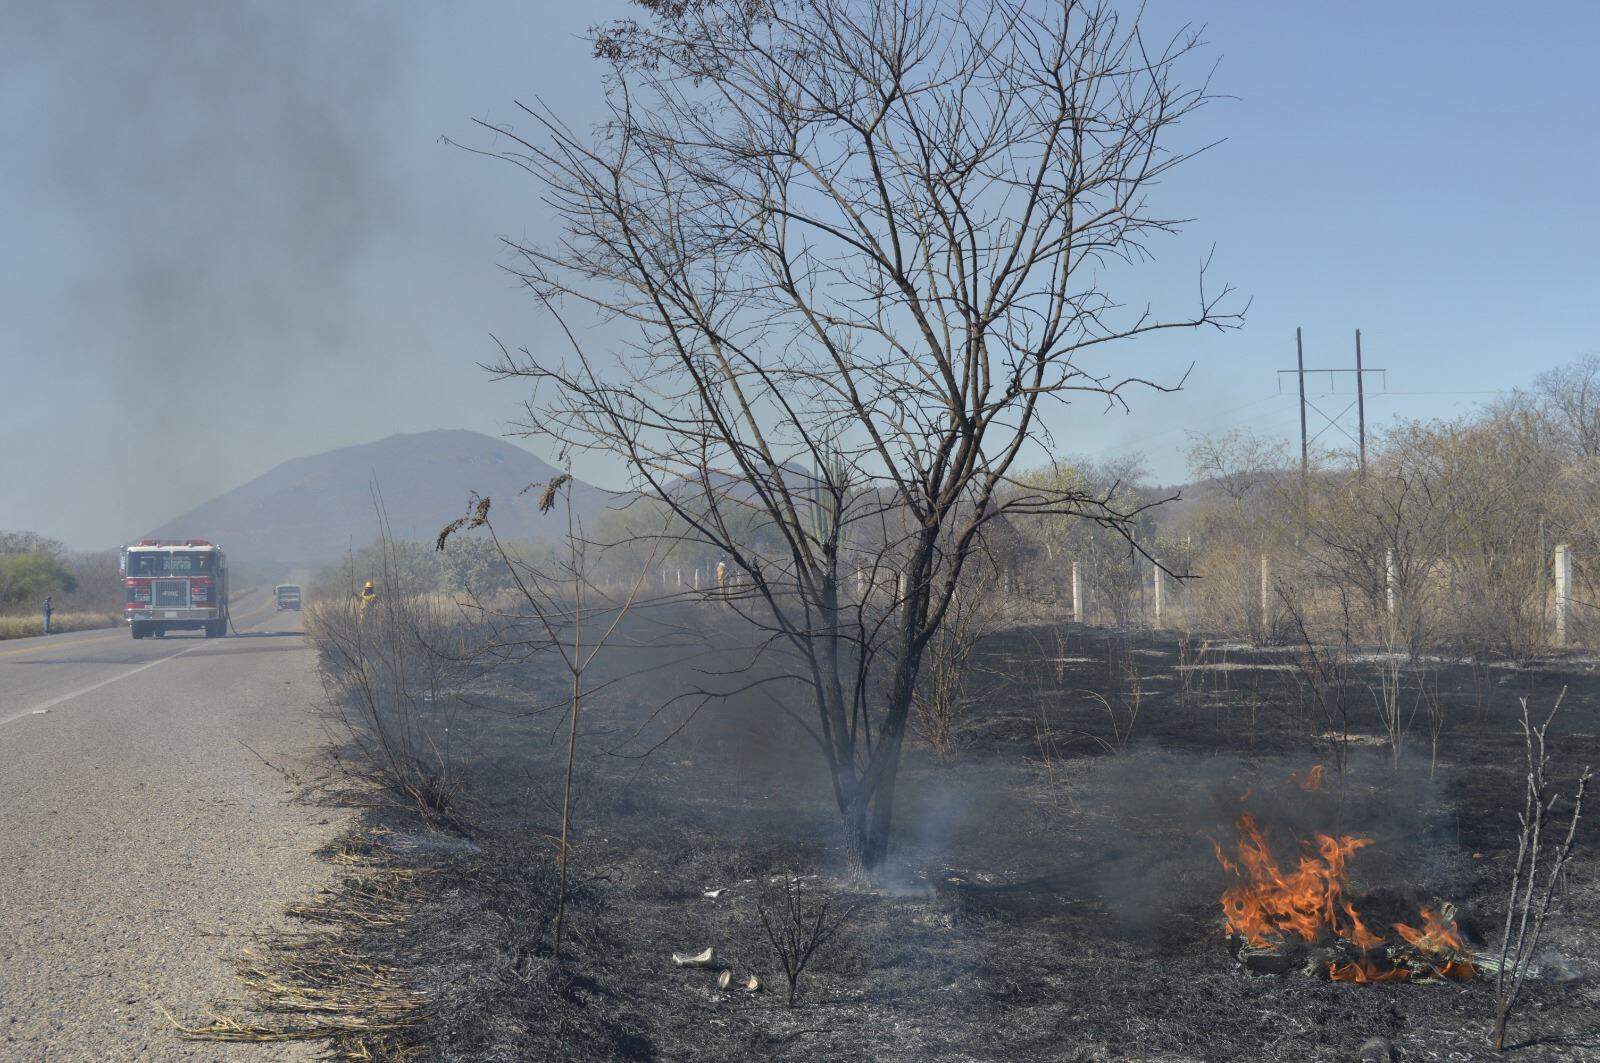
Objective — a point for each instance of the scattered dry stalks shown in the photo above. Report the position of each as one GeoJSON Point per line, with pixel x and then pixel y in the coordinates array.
{"type": "Point", "coordinates": [1519, 941]}
{"type": "Point", "coordinates": [1123, 706]}
{"type": "Point", "coordinates": [941, 701]}
{"type": "Point", "coordinates": [1395, 714]}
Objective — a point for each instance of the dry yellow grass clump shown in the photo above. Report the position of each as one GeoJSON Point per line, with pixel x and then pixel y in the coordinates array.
{"type": "Point", "coordinates": [318, 986]}
{"type": "Point", "coordinates": [21, 627]}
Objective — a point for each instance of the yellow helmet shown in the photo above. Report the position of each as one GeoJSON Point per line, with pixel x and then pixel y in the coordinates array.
{"type": "Point", "coordinates": [368, 586]}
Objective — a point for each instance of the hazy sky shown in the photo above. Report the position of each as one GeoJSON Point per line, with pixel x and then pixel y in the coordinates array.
{"type": "Point", "coordinates": [230, 234]}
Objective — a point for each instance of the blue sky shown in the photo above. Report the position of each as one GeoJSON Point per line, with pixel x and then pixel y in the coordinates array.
{"type": "Point", "coordinates": [232, 235]}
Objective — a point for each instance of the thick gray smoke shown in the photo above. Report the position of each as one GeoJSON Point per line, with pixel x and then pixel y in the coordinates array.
{"type": "Point", "coordinates": [210, 175]}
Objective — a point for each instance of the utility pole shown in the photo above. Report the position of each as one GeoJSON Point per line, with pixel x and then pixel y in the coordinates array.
{"type": "Point", "coordinates": [1330, 419]}
{"type": "Point", "coordinates": [1361, 406]}
{"type": "Point", "coordinates": [1305, 446]}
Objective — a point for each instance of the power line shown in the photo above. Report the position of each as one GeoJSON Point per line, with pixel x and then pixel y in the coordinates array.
{"type": "Point", "coordinates": [1495, 391]}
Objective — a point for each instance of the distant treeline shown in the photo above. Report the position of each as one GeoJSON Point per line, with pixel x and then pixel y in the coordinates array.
{"type": "Point", "coordinates": [468, 565]}
{"type": "Point", "coordinates": [33, 567]}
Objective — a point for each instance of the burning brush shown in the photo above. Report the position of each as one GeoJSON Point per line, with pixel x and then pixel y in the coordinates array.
{"type": "Point", "coordinates": [1284, 919]}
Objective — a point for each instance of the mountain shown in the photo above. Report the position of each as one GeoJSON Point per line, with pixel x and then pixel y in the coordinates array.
{"type": "Point", "coordinates": [312, 510]}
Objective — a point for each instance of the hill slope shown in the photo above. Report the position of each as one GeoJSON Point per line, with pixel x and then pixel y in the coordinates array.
{"type": "Point", "coordinates": [311, 510]}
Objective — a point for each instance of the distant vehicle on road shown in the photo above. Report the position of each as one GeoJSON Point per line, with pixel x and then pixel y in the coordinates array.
{"type": "Point", "coordinates": [175, 585]}
{"type": "Point", "coordinates": [288, 595]}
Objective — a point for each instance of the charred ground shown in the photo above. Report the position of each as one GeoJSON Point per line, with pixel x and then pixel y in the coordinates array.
{"type": "Point", "coordinates": [1050, 896]}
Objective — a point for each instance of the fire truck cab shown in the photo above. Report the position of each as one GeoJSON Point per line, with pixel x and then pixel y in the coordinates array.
{"type": "Point", "coordinates": [175, 585]}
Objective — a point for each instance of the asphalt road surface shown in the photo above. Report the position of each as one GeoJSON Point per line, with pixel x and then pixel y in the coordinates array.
{"type": "Point", "coordinates": [143, 841]}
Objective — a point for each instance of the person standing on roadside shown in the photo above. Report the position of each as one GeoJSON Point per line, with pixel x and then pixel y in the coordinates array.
{"type": "Point", "coordinates": [47, 611]}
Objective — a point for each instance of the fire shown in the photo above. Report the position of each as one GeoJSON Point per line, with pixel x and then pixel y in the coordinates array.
{"type": "Point", "coordinates": [1271, 902]}
{"type": "Point", "coordinates": [1271, 905]}
{"type": "Point", "coordinates": [1439, 942]}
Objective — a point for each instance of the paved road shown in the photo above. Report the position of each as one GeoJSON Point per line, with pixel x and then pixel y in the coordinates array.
{"type": "Point", "coordinates": [141, 841]}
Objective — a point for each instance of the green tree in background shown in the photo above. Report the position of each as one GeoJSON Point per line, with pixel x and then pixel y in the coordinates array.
{"type": "Point", "coordinates": [25, 578]}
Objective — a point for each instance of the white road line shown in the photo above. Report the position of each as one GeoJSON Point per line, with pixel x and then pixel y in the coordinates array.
{"type": "Point", "coordinates": [53, 702]}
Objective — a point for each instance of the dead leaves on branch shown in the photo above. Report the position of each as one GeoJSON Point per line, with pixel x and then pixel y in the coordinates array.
{"type": "Point", "coordinates": [477, 515]}
{"type": "Point", "coordinates": [547, 499]}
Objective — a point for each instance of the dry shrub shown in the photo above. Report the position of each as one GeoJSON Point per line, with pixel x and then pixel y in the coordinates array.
{"type": "Point", "coordinates": [798, 928]}
{"type": "Point", "coordinates": [394, 673]}
{"type": "Point", "coordinates": [1542, 848]}
{"type": "Point", "coordinates": [1497, 607]}
{"type": "Point", "coordinates": [943, 698]}
{"type": "Point", "coordinates": [1123, 698]}
{"type": "Point", "coordinates": [1227, 600]}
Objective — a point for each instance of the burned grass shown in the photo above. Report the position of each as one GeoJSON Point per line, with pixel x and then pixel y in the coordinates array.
{"type": "Point", "coordinates": [1047, 898]}
{"type": "Point", "coordinates": [429, 946]}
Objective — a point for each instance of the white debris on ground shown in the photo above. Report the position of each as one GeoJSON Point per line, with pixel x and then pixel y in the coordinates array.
{"type": "Point", "coordinates": [695, 959]}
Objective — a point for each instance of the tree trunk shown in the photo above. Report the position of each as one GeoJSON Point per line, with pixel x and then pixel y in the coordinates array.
{"type": "Point", "coordinates": [868, 818]}
{"type": "Point", "coordinates": [868, 807]}
{"type": "Point", "coordinates": [878, 827]}
{"type": "Point", "coordinates": [858, 850]}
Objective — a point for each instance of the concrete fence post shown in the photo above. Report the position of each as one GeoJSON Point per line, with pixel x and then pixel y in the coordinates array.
{"type": "Point", "coordinates": [1266, 595]}
{"type": "Point", "coordinates": [1077, 594]}
{"type": "Point", "coordinates": [1160, 587]}
{"type": "Point", "coordinates": [1561, 570]}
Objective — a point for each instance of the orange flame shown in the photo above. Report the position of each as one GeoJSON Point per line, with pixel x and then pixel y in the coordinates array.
{"type": "Point", "coordinates": [1313, 780]}
{"type": "Point", "coordinates": [1365, 972]}
{"type": "Point", "coordinates": [1439, 943]}
{"type": "Point", "coordinates": [1270, 903]}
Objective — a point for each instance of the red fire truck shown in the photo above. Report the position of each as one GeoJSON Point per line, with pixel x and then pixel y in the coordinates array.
{"type": "Point", "coordinates": [176, 585]}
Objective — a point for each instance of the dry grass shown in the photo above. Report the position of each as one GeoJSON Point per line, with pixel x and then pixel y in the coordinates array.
{"type": "Point", "coordinates": [396, 668]}
{"type": "Point", "coordinates": [318, 987]}
{"type": "Point", "coordinates": [22, 627]}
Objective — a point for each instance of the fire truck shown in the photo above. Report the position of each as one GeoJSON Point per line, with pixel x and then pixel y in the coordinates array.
{"type": "Point", "coordinates": [175, 585]}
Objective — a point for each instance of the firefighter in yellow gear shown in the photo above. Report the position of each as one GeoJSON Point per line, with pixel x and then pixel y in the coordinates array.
{"type": "Point", "coordinates": [368, 596]}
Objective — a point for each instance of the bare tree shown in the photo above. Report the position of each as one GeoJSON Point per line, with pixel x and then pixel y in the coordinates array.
{"type": "Point", "coordinates": [1378, 539]}
{"type": "Point", "coordinates": [1240, 465]}
{"type": "Point", "coordinates": [848, 254]}
{"type": "Point", "coordinates": [1113, 559]}
{"type": "Point", "coordinates": [1567, 400]}
{"type": "Point", "coordinates": [1248, 507]}
{"type": "Point", "coordinates": [1519, 941]}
